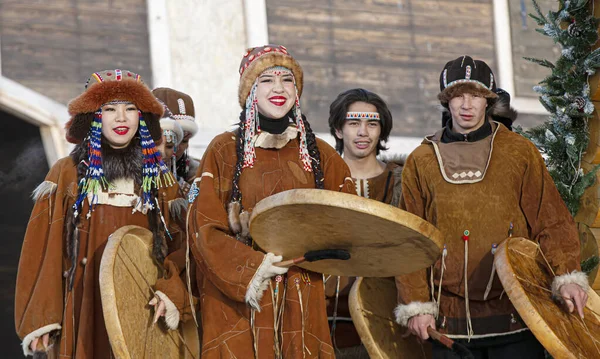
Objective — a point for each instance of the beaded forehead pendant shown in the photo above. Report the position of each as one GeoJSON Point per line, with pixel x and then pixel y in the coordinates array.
{"type": "Point", "coordinates": [372, 116]}
{"type": "Point", "coordinates": [277, 71]}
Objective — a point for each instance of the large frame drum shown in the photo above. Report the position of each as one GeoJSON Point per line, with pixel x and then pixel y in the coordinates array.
{"type": "Point", "coordinates": [127, 275]}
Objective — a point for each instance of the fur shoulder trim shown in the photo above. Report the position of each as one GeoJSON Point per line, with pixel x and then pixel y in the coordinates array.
{"type": "Point", "coordinates": [399, 159]}
{"type": "Point", "coordinates": [36, 334]}
{"type": "Point", "coordinates": [172, 313]}
{"type": "Point", "coordinates": [404, 312]}
{"type": "Point", "coordinates": [576, 277]}
{"type": "Point", "coordinates": [233, 215]}
{"type": "Point", "coordinates": [178, 208]}
{"type": "Point", "coordinates": [46, 188]}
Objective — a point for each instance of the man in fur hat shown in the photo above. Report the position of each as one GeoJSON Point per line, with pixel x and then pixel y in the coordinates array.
{"type": "Point", "coordinates": [182, 110]}
{"type": "Point", "coordinates": [478, 183]}
{"type": "Point", "coordinates": [251, 307]}
{"type": "Point", "coordinates": [360, 122]}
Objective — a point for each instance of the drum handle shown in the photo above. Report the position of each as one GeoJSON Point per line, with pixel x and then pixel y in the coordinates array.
{"type": "Point", "coordinates": [291, 262]}
{"type": "Point", "coordinates": [434, 334]}
{"type": "Point", "coordinates": [459, 349]}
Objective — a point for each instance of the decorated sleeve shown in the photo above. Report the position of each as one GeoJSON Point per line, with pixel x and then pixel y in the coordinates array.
{"type": "Point", "coordinates": [39, 287]}
{"type": "Point", "coordinates": [412, 287]}
{"type": "Point", "coordinates": [552, 226]}
{"type": "Point", "coordinates": [336, 173]}
{"type": "Point", "coordinates": [228, 263]}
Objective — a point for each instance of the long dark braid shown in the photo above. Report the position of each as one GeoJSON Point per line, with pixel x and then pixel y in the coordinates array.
{"type": "Point", "coordinates": [236, 194]}
{"type": "Point", "coordinates": [159, 245]}
{"type": "Point", "coordinates": [80, 155]}
{"type": "Point", "coordinates": [315, 155]}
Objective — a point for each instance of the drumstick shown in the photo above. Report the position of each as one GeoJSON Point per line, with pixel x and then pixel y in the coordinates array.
{"type": "Point", "coordinates": [312, 256]}
{"type": "Point", "coordinates": [459, 349]}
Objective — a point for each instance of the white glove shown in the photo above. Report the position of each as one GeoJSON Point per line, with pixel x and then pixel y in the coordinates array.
{"type": "Point", "coordinates": [261, 279]}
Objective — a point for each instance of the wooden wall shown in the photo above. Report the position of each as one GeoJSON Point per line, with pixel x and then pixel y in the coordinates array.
{"type": "Point", "coordinates": [394, 48]}
{"type": "Point", "coordinates": [53, 46]}
{"type": "Point", "coordinates": [397, 48]}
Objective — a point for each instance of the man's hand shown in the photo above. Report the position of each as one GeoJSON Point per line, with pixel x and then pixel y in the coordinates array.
{"type": "Point", "coordinates": [573, 297]}
{"type": "Point", "coordinates": [160, 309]}
{"type": "Point", "coordinates": [45, 342]}
{"type": "Point", "coordinates": [418, 325]}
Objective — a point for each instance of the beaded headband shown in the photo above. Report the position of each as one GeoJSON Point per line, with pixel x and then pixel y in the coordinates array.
{"type": "Point", "coordinates": [170, 137]}
{"type": "Point", "coordinates": [362, 116]}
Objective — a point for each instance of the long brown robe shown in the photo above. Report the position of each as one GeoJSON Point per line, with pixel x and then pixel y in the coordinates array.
{"type": "Point", "coordinates": [516, 188]}
{"type": "Point", "coordinates": [227, 266]}
{"type": "Point", "coordinates": [42, 299]}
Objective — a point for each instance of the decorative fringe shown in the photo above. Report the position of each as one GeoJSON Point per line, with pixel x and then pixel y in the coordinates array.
{"type": "Point", "coordinates": [304, 348]}
{"type": "Point", "coordinates": [488, 288]}
{"type": "Point", "coordinates": [335, 310]}
{"type": "Point", "coordinates": [94, 180]}
{"type": "Point", "coordinates": [444, 255]}
{"type": "Point", "coordinates": [251, 127]}
{"type": "Point", "coordinates": [304, 156]}
{"type": "Point", "coordinates": [467, 310]}
{"type": "Point", "coordinates": [155, 173]}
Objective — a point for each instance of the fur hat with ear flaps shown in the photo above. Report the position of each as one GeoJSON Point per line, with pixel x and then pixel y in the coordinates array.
{"type": "Point", "coordinates": [465, 75]}
{"type": "Point", "coordinates": [258, 59]}
{"type": "Point", "coordinates": [112, 85]}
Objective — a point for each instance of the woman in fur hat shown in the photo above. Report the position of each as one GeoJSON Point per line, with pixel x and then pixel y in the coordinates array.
{"type": "Point", "coordinates": [113, 177]}
{"type": "Point", "coordinates": [250, 307]}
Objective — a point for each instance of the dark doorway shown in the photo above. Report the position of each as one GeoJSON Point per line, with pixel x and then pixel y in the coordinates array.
{"type": "Point", "coordinates": [23, 165]}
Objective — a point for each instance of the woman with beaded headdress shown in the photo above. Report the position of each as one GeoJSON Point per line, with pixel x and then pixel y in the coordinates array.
{"type": "Point", "coordinates": [250, 307]}
{"type": "Point", "coordinates": [113, 177]}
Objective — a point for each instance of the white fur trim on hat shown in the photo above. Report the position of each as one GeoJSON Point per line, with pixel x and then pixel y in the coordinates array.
{"type": "Point", "coordinates": [172, 313]}
{"type": "Point", "coordinates": [36, 334]}
{"type": "Point", "coordinates": [575, 277]}
{"type": "Point", "coordinates": [172, 125]}
{"type": "Point", "coordinates": [187, 122]}
{"type": "Point", "coordinates": [404, 312]}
